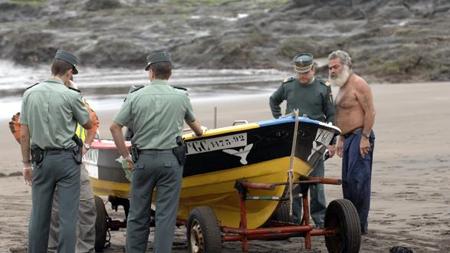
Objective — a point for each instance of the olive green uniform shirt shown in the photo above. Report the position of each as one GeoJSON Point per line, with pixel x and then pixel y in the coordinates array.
{"type": "Point", "coordinates": [314, 100]}
{"type": "Point", "coordinates": [156, 113]}
{"type": "Point", "coordinates": [52, 110]}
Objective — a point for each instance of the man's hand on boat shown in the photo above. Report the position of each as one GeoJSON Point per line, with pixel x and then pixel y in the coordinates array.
{"type": "Point", "coordinates": [128, 163]}
{"type": "Point", "coordinates": [198, 129]}
{"type": "Point", "coordinates": [204, 129]}
{"type": "Point", "coordinates": [331, 150]}
{"type": "Point", "coordinates": [119, 140]}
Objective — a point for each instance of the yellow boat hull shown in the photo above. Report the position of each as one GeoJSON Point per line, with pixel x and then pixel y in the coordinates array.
{"type": "Point", "coordinates": [254, 152]}
{"type": "Point", "coordinates": [220, 195]}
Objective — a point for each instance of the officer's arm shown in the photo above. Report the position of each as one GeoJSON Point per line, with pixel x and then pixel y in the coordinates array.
{"type": "Point", "coordinates": [91, 133]}
{"type": "Point", "coordinates": [129, 131]}
{"type": "Point", "coordinates": [190, 120]}
{"type": "Point", "coordinates": [25, 143]}
{"type": "Point", "coordinates": [80, 112]}
{"type": "Point", "coordinates": [329, 111]}
{"type": "Point", "coordinates": [116, 132]}
{"type": "Point", "coordinates": [88, 125]}
{"type": "Point", "coordinates": [93, 118]}
{"type": "Point", "coordinates": [275, 101]}
{"type": "Point", "coordinates": [196, 127]}
{"type": "Point", "coordinates": [329, 108]}
{"type": "Point", "coordinates": [25, 148]}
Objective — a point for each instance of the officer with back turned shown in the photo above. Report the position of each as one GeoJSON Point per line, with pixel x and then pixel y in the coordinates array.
{"type": "Point", "coordinates": [49, 115]}
{"type": "Point", "coordinates": [156, 113]}
{"type": "Point", "coordinates": [313, 98]}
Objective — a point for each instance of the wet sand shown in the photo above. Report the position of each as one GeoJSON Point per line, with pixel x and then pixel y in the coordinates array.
{"type": "Point", "coordinates": [410, 185]}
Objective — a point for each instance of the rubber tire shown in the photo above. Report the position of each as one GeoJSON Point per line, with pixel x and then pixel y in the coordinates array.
{"type": "Point", "coordinates": [209, 227]}
{"type": "Point", "coordinates": [101, 226]}
{"type": "Point", "coordinates": [281, 214]}
{"type": "Point", "coordinates": [341, 215]}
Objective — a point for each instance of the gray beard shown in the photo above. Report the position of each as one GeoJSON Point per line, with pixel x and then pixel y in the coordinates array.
{"type": "Point", "coordinates": [342, 78]}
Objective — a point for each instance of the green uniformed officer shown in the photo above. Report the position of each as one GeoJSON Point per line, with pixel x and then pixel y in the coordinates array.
{"type": "Point", "coordinates": [50, 113]}
{"type": "Point", "coordinates": [313, 98]}
{"type": "Point", "coordinates": [87, 212]}
{"type": "Point", "coordinates": [156, 113]}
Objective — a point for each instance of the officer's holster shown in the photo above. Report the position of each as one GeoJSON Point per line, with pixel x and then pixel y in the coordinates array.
{"type": "Point", "coordinates": [134, 153]}
{"type": "Point", "coordinates": [37, 155]}
{"type": "Point", "coordinates": [77, 150]}
{"type": "Point", "coordinates": [180, 151]}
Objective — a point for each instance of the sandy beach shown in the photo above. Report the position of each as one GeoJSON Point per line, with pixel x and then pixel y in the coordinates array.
{"type": "Point", "coordinates": [410, 182]}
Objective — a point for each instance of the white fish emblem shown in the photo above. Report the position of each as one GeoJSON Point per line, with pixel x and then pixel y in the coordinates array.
{"type": "Point", "coordinates": [242, 153]}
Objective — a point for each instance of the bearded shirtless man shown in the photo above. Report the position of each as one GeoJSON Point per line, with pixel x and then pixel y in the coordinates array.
{"type": "Point", "coordinates": [355, 116]}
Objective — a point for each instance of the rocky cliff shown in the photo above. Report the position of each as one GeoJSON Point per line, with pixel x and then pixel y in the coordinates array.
{"type": "Point", "coordinates": [389, 40]}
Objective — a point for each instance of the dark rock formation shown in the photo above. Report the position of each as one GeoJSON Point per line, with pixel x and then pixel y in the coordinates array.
{"type": "Point", "coordinates": [28, 47]}
{"type": "Point", "coordinates": [389, 40]}
{"type": "Point", "coordinates": [96, 5]}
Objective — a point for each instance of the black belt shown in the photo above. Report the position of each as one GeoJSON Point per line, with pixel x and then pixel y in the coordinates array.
{"type": "Point", "coordinates": [354, 131]}
{"type": "Point", "coordinates": [154, 151]}
{"type": "Point", "coordinates": [52, 151]}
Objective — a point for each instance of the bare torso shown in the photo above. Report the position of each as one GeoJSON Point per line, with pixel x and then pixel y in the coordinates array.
{"type": "Point", "coordinates": [349, 110]}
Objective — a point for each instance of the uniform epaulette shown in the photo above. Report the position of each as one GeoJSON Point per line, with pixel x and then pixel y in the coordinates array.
{"type": "Point", "coordinates": [326, 83]}
{"type": "Point", "coordinates": [179, 88]}
{"type": "Point", "coordinates": [289, 79]}
{"type": "Point", "coordinates": [32, 86]}
{"type": "Point", "coordinates": [136, 88]}
{"type": "Point", "coordinates": [77, 90]}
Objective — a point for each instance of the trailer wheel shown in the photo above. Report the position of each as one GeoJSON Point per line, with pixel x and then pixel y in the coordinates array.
{"type": "Point", "coordinates": [342, 216]}
{"type": "Point", "coordinates": [101, 227]}
{"type": "Point", "coordinates": [203, 232]}
{"type": "Point", "coordinates": [281, 214]}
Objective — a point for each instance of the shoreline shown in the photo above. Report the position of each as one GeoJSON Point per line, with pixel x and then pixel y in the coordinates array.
{"type": "Point", "coordinates": [411, 170]}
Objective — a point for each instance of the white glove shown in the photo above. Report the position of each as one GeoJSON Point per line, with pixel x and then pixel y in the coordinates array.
{"type": "Point", "coordinates": [204, 129]}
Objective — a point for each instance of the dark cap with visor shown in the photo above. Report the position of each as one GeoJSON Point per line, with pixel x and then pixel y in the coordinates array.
{"type": "Point", "coordinates": [158, 56]}
{"type": "Point", "coordinates": [69, 58]}
{"type": "Point", "coordinates": [303, 62]}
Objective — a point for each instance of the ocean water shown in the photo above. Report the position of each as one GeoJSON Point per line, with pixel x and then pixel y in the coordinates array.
{"type": "Point", "coordinates": [106, 88]}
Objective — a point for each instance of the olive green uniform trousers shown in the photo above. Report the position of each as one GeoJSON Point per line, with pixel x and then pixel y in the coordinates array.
{"type": "Point", "coordinates": [59, 170]}
{"type": "Point", "coordinates": [86, 218]}
{"type": "Point", "coordinates": [154, 169]}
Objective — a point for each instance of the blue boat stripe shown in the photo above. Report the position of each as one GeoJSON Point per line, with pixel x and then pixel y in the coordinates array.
{"type": "Point", "coordinates": [287, 119]}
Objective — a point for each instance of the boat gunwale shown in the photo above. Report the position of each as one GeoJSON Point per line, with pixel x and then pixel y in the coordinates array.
{"type": "Point", "coordinates": [108, 144]}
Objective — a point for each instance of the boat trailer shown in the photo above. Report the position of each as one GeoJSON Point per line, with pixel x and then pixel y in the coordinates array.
{"type": "Point", "coordinates": [341, 231]}
{"type": "Point", "coordinates": [204, 234]}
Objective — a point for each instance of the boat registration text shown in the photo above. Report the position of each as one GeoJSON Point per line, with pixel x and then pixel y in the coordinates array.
{"type": "Point", "coordinates": [219, 143]}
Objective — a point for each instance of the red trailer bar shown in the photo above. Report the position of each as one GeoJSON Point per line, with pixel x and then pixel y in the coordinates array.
{"type": "Point", "coordinates": [306, 230]}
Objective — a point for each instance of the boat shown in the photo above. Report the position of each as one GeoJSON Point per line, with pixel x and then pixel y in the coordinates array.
{"type": "Point", "coordinates": [254, 152]}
